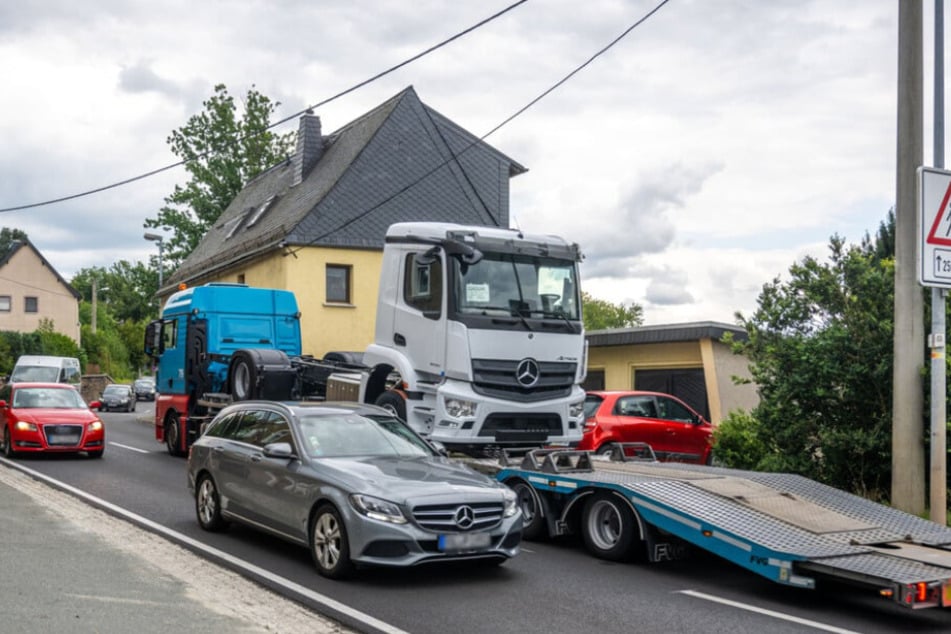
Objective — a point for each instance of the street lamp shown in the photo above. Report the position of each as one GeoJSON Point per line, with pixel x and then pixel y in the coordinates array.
{"type": "Point", "coordinates": [95, 299]}
{"type": "Point", "coordinates": [154, 237]}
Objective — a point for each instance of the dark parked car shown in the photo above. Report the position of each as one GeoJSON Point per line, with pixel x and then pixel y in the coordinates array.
{"type": "Point", "coordinates": [117, 397]}
{"type": "Point", "coordinates": [351, 482]}
{"type": "Point", "coordinates": [144, 389]}
{"type": "Point", "coordinates": [673, 430]}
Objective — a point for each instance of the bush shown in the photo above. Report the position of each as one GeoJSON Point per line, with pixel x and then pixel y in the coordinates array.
{"type": "Point", "coordinates": [738, 441]}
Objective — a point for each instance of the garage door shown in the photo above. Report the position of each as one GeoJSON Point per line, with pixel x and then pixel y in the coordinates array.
{"type": "Point", "coordinates": [687, 385]}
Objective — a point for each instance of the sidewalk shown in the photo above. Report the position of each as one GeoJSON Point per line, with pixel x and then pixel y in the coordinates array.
{"type": "Point", "coordinates": [68, 567]}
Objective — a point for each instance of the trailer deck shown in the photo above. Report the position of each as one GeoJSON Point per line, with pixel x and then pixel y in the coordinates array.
{"type": "Point", "coordinates": [784, 527]}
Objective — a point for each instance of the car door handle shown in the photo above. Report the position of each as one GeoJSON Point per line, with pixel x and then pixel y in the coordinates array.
{"type": "Point", "coordinates": [219, 449]}
{"type": "Point", "coordinates": [256, 457]}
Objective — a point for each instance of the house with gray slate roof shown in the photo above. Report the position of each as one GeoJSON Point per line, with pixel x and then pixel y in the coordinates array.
{"type": "Point", "coordinates": [315, 223]}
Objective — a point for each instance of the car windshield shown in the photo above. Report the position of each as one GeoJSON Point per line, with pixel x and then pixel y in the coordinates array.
{"type": "Point", "coordinates": [116, 390]}
{"type": "Point", "coordinates": [356, 435]}
{"type": "Point", "coordinates": [47, 397]}
{"type": "Point", "coordinates": [35, 374]}
{"type": "Point", "coordinates": [144, 383]}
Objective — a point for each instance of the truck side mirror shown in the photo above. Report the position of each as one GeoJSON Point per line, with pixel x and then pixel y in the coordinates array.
{"type": "Point", "coordinates": [153, 338]}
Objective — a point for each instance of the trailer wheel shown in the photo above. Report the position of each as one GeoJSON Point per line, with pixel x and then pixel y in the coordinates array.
{"type": "Point", "coordinates": [533, 520]}
{"type": "Point", "coordinates": [242, 378]}
{"type": "Point", "coordinates": [608, 527]}
{"type": "Point", "coordinates": [393, 402]}
{"type": "Point", "coordinates": [172, 435]}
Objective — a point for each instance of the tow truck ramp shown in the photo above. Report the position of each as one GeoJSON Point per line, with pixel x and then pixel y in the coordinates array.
{"type": "Point", "coordinates": [785, 527]}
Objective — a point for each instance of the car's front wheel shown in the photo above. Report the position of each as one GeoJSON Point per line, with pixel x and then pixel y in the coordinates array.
{"type": "Point", "coordinates": [208, 505]}
{"type": "Point", "coordinates": [95, 454]}
{"type": "Point", "coordinates": [329, 545]}
{"type": "Point", "coordinates": [8, 451]}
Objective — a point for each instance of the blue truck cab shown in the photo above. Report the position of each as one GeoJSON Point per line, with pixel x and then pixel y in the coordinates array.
{"type": "Point", "coordinates": [195, 343]}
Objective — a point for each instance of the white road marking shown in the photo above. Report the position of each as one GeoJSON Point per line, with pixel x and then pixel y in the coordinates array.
{"type": "Point", "coordinates": [116, 444]}
{"type": "Point", "coordinates": [214, 553]}
{"type": "Point", "coordinates": [776, 615]}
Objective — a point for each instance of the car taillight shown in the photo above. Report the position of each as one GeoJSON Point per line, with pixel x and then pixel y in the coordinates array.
{"type": "Point", "coordinates": [590, 424]}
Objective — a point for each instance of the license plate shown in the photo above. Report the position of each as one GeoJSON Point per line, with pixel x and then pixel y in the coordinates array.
{"type": "Point", "coordinates": [462, 542]}
{"type": "Point", "coordinates": [63, 439]}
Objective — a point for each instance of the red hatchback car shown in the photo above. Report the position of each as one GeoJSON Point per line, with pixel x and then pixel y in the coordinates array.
{"type": "Point", "coordinates": [673, 430]}
{"type": "Point", "coordinates": [48, 417]}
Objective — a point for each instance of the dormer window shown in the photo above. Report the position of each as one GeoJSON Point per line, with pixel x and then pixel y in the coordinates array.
{"type": "Point", "coordinates": [260, 210]}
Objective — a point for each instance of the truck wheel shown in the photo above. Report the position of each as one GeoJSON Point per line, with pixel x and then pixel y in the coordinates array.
{"type": "Point", "coordinates": [608, 527]}
{"type": "Point", "coordinates": [242, 378]}
{"type": "Point", "coordinates": [392, 402]}
{"type": "Point", "coordinates": [329, 545]}
{"type": "Point", "coordinates": [172, 436]}
{"type": "Point", "coordinates": [208, 505]}
{"type": "Point", "coordinates": [533, 521]}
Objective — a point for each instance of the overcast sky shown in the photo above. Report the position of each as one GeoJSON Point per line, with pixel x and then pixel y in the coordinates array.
{"type": "Point", "coordinates": [715, 145]}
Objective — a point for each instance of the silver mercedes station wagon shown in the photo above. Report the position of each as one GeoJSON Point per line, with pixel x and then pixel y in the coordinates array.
{"type": "Point", "coordinates": [352, 483]}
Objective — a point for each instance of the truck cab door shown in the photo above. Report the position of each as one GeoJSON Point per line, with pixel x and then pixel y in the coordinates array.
{"type": "Point", "coordinates": [419, 320]}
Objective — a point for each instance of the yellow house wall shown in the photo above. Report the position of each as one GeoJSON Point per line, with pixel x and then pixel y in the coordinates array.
{"type": "Point", "coordinates": [24, 275]}
{"type": "Point", "coordinates": [718, 362]}
{"type": "Point", "coordinates": [331, 326]}
{"type": "Point", "coordinates": [324, 326]}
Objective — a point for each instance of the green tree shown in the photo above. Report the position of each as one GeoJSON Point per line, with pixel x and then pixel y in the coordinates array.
{"type": "Point", "coordinates": [7, 237]}
{"type": "Point", "coordinates": [600, 314]}
{"type": "Point", "coordinates": [222, 152]}
{"type": "Point", "coordinates": [820, 351]}
{"type": "Point", "coordinates": [126, 289]}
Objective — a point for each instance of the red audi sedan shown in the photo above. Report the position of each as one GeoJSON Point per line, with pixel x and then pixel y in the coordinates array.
{"type": "Point", "coordinates": [48, 417]}
{"type": "Point", "coordinates": [673, 430]}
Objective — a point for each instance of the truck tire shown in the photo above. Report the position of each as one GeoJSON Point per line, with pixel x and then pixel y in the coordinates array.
{"type": "Point", "coordinates": [608, 527]}
{"type": "Point", "coordinates": [243, 377]}
{"type": "Point", "coordinates": [533, 519]}
{"type": "Point", "coordinates": [173, 435]}
{"type": "Point", "coordinates": [393, 402]}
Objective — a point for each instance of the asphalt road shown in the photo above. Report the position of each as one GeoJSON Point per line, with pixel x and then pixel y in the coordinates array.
{"type": "Point", "coordinates": [550, 587]}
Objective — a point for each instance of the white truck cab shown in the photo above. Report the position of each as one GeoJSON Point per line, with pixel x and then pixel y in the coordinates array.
{"type": "Point", "coordinates": [481, 328]}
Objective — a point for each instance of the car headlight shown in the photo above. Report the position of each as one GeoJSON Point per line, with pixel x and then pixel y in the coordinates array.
{"type": "Point", "coordinates": [376, 508]}
{"type": "Point", "coordinates": [96, 425]}
{"type": "Point", "coordinates": [576, 409]}
{"type": "Point", "coordinates": [510, 500]}
{"type": "Point", "coordinates": [22, 425]}
{"type": "Point", "coordinates": [460, 408]}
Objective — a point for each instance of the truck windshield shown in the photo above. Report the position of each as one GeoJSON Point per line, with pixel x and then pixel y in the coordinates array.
{"type": "Point", "coordinates": [517, 285]}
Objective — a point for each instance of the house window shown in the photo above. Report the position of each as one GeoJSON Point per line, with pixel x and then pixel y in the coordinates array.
{"type": "Point", "coordinates": [31, 305]}
{"type": "Point", "coordinates": [240, 278]}
{"type": "Point", "coordinates": [338, 283]}
{"type": "Point", "coordinates": [4, 303]}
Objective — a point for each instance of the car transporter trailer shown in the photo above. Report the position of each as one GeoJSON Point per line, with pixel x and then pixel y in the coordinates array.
{"type": "Point", "coordinates": [785, 527]}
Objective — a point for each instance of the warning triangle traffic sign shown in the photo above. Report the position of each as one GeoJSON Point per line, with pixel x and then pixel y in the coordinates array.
{"type": "Point", "coordinates": [941, 227]}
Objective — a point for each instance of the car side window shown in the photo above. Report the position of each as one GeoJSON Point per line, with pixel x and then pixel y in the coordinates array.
{"type": "Point", "coordinates": [250, 426]}
{"type": "Point", "coordinates": [274, 429]}
{"type": "Point", "coordinates": [642, 406]}
{"type": "Point", "coordinates": [223, 427]}
{"type": "Point", "coordinates": [674, 411]}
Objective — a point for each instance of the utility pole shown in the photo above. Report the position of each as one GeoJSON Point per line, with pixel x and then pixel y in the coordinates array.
{"type": "Point", "coordinates": [938, 476]}
{"type": "Point", "coordinates": [95, 292]}
{"type": "Point", "coordinates": [908, 465]}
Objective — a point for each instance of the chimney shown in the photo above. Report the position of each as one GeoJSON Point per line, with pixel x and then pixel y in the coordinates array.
{"type": "Point", "coordinates": [310, 146]}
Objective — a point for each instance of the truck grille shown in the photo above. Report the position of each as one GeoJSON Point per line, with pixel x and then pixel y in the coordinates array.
{"type": "Point", "coordinates": [63, 435]}
{"type": "Point", "coordinates": [497, 378]}
{"type": "Point", "coordinates": [521, 427]}
{"type": "Point", "coordinates": [456, 518]}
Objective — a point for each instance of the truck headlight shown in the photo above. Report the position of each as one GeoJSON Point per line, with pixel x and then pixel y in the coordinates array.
{"type": "Point", "coordinates": [575, 410]}
{"type": "Point", "coordinates": [510, 500]}
{"type": "Point", "coordinates": [377, 509]}
{"type": "Point", "coordinates": [460, 408]}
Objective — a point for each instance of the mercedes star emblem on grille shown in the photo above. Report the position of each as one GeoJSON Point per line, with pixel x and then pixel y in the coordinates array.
{"type": "Point", "coordinates": [527, 372]}
{"type": "Point", "coordinates": [464, 517]}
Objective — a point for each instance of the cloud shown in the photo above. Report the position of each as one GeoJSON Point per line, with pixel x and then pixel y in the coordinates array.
{"type": "Point", "coordinates": [668, 288]}
{"type": "Point", "coordinates": [141, 78]}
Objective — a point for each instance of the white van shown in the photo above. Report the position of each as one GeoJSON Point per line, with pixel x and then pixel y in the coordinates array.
{"type": "Point", "coordinates": [44, 369]}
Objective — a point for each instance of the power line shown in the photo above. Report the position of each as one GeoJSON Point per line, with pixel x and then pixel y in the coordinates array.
{"type": "Point", "coordinates": [455, 157]}
{"type": "Point", "coordinates": [277, 123]}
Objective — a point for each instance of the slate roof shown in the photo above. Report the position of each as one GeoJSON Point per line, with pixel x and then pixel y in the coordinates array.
{"type": "Point", "coordinates": [19, 244]}
{"type": "Point", "coordinates": [667, 333]}
{"type": "Point", "coordinates": [402, 161]}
